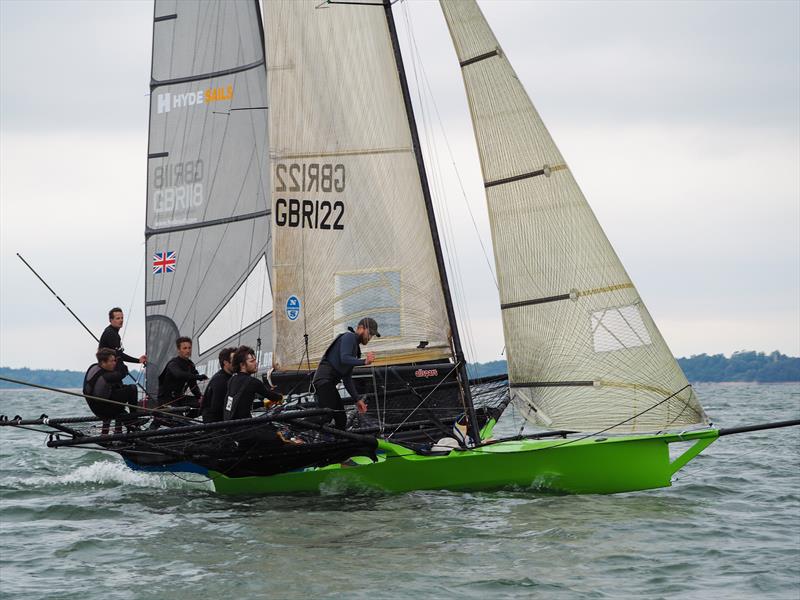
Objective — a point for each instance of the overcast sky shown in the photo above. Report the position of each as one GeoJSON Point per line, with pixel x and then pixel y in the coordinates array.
{"type": "Point", "coordinates": [680, 121]}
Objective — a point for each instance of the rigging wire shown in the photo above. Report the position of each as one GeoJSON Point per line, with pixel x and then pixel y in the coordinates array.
{"type": "Point", "coordinates": [408, 416]}
{"type": "Point", "coordinates": [440, 122]}
{"type": "Point", "coordinates": [424, 90]}
{"type": "Point", "coordinates": [438, 194]}
{"type": "Point", "coordinates": [143, 262]}
{"type": "Point", "coordinates": [245, 283]}
{"type": "Point", "coordinates": [106, 400]}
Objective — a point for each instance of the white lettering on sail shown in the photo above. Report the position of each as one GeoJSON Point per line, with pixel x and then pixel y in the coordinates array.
{"type": "Point", "coordinates": [163, 102]}
{"type": "Point", "coordinates": [187, 99]}
{"type": "Point", "coordinates": [179, 187]}
{"type": "Point", "coordinates": [184, 197]}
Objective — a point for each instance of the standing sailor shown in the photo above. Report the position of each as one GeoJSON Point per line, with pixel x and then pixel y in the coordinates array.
{"type": "Point", "coordinates": [178, 375]}
{"type": "Point", "coordinates": [337, 365]}
{"type": "Point", "coordinates": [215, 394]}
{"type": "Point", "coordinates": [243, 388]}
{"type": "Point", "coordinates": [111, 339]}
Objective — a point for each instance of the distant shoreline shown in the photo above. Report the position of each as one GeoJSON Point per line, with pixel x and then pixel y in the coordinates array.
{"type": "Point", "coordinates": [741, 367]}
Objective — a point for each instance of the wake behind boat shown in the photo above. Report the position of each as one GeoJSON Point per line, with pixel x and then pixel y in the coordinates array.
{"type": "Point", "coordinates": [288, 199]}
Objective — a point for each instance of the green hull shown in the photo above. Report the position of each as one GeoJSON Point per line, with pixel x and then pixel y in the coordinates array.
{"type": "Point", "coordinates": [589, 466]}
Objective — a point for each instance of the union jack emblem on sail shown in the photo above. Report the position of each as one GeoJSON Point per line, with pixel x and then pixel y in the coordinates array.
{"type": "Point", "coordinates": [164, 262]}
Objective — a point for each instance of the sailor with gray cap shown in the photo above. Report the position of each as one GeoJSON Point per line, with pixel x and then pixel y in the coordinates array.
{"type": "Point", "coordinates": [337, 365]}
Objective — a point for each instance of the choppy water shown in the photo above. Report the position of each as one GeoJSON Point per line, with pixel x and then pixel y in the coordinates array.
{"type": "Point", "coordinates": [78, 524]}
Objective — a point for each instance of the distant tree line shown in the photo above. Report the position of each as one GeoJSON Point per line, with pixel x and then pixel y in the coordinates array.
{"type": "Point", "coordinates": [741, 366]}
{"type": "Point", "coordinates": [495, 367]}
{"type": "Point", "coordinates": [48, 377]}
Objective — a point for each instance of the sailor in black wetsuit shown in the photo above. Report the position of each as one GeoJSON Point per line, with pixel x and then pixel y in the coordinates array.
{"type": "Point", "coordinates": [243, 388]}
{"type": "Point", "coordinates": [215, 393]}
{"type": "Point", "coordinates": [178, 375]}
{"type": "Point", "coordinates": [337, 365]}
{"type": "Point", "coordinates": [111, 339]}
{"type": "Point", "coordinates": [104, 380]}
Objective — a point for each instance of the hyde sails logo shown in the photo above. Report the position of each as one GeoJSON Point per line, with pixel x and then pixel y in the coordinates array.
{"type": "Point", "coordinates": [168, 101]}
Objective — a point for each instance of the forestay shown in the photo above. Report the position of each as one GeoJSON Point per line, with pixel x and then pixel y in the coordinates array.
{"type": "Point", "coordinates": [350, 230]}
{"type": "Point", "coordinates": [583, 352]}
{"type": "Point", "coordinates": [208, 227]}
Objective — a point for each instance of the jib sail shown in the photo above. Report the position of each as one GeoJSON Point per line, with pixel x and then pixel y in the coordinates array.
{"type": "Point", "coordinates": [583, 352]}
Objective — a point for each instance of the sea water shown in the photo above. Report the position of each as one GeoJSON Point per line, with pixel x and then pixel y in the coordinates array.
{"type": "Point", "coordinates": [79, 524]}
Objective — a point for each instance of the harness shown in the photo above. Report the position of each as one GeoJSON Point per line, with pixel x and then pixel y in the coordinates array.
{"type": "Point", "coordinates": [92, 375]}
{"type": "Point", "coordinates": [333, 343]}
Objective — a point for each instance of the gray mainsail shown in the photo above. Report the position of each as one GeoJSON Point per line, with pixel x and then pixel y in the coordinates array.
{"type": "Point", "coordinates": [208, 202]}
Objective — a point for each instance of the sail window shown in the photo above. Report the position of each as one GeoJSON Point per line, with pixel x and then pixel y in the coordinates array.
{"type": "Point", "coordinates": [373, 294]}
{"type": "Point", "coordinates": [251, 302]}
{"type": "Point", "coordinates": [618, 328]}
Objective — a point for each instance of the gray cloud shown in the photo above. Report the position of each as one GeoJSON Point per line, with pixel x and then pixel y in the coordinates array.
{"type": "Point", "coordinates": [681, 122]}
{"type": "Point", "coordinates": [78, 66]}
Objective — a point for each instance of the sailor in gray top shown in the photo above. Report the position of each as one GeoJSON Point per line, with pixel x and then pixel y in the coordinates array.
{"type": "Point", "coordinates": [337, 365]}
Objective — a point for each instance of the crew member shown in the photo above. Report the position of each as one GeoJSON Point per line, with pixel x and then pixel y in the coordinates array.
{"type": "Point", "coordinates": [178, 375]}
{"type": "Point", "coordinates": [243, 388]}
{"type": "Point", "coordinates": [337, 365]}
{"type": "Point", "coordinates": [215, 393]}
{"type": "Point", "coordinates": [104, 380]}
{"type": "Point", "coordinates": [111, 339]}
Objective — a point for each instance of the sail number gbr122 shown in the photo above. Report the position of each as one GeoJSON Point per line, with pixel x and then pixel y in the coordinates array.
{"type": "Point", "coordinates": [316, 178]}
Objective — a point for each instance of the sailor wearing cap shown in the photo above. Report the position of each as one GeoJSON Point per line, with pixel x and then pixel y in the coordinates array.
{"type": "Point", "coordinates": [337, 365]}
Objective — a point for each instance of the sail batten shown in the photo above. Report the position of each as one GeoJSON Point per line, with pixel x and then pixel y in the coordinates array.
{"type": "Point", "coordinates": [583, 352]}
{"type": "Point", "coordinates": [255, 215]}
{"type": "Point", "coordinates": [232, 71]}
{"type": "Point", "coordinates": [479, 58]}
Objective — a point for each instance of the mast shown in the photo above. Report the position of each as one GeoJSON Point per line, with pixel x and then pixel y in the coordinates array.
{"type": "Point", "coordinates": [463, 377]}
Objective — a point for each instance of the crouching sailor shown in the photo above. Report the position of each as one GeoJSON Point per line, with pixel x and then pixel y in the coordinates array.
{"type": "Point", "coordinates": [243, 388]}
{"type": "Point", "coordinates": [104, 380]}
{"type": "Point", "coordinates": [178, 375]}
{"type": "Point", "coordinates": [337, 365]}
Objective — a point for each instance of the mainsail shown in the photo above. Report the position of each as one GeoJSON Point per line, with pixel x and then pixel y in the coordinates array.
{"type": "Point", "coordinates": [351, 235]}
{"type": "Point", "coordinates": [208, 182]}
{"type": "Point", "coordinates": [583, 352]}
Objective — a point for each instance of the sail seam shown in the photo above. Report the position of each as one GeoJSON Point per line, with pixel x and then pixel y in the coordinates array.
{"type": "Point", "coordinates": [154, 83]}
{"type": "Point", "coordinates": [479, 58]}
{"type": "Point", "coordinates": [345, 153]}
{"type": "Point", "coordinates": [149, 231]}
